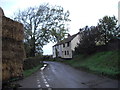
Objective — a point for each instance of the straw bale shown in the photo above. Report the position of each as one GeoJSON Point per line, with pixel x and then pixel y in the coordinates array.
{"type": "Point", "coordinates": [1, 12]}
{"type": "Point", "coordinates": [7, 44]}
{"type": "Point", "coordinates": [5, 71]}
{"type": "Point", "coordinates": [0, 71]}
{"type": "Point", "coordinates": [11, 22]}
{"type": "Point", "coordinates": [1, 15]}
{"type": "Point", "coordinates": [7, 55]}
{"type": "Point", "coordinates": [11, 42]}
{"type": "Point", "coordinates": [18, 46]}
{"type": "Point", "coordinates": [15, 68]}
{"type": "Point", "coordinates": [9, 32]}
{"type": "Point", "coordinates": [12, 29]}
{"type": "Point", "coordinates": [12, 48]}
{"type": "Point", "coordinates": [10, 55]}
{"type": "Point", "coordinates": [12, 69]}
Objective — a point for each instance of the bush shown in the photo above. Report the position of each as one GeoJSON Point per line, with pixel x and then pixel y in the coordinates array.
{"type": "Point", "coordinates": [48, 58]}
{"type": "Point", "coordinates": [31, 62]}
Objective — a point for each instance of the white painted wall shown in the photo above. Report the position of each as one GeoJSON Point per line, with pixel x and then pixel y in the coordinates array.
{"type": "Point", "coordinates": [67, 49]}
{"type": "Point", "coordinates": [61, 50]}
{"type": "Point", "coordinates": [71, 48]}
{"type": "Point", "coordinates": [74, 42]}
{"type": "Point", "coordinates": [53, 52]}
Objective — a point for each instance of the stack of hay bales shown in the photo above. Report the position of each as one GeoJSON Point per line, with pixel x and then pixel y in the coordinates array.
{"type": "Point", "coordinates": [1, 14]}
{"type": "Point", "coordinates": [12, 48]}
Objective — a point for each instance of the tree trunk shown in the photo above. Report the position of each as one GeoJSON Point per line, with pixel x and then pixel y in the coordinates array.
{"type": "Point", "coordinates": [33, 50]}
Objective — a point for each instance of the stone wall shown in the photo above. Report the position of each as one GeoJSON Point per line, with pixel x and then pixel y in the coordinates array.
{"type": "Point", "coordinates": [12, 48]}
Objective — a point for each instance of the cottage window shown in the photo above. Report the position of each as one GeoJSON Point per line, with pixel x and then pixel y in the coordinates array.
{"type": "Point", "coordinates": [67, 52]}
{"type": "Point", "coordinates": [68, 44]}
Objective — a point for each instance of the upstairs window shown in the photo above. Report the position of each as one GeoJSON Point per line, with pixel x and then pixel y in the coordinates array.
{"type": "Point", "coordinates": [68, 44]}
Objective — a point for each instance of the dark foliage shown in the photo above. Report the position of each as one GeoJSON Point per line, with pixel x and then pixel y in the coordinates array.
{"type": "Point", "coordinates": [87, 42]}
{"type": "Point", "coordinates": [103, 37]}
{"type": "Point", "coordinates": [31, 62]}
{"type": "Point", "coordinates": [48, 58]}
{"type": "Point", "coordinates": [108, 29]}
{"type": "Point", "coordinates": [43, 24]}
{"type": "Point", "coordinates": [114, 44]}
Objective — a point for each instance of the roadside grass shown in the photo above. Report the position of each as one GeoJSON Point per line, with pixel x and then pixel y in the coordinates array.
{"type": "Point", "coordinates": [103, 63]}
{"type": "Point", "coordinates": [10, 84]}
{"type": "Point", "coordinates": [29, 72]}
{"type": "Point", "coordinates": [31, 66]}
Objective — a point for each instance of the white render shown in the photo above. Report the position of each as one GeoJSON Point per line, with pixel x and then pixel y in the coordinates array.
{"type": "Point", "coordinates": [74, 42]}
{"type": "Point", "coordinates": [66, 50]}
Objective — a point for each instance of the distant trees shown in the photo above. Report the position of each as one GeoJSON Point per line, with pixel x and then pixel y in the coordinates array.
{"type": "Point", "coordinates": [94, 36]}
{"type": "Point", "coordinates": [42, 24]}
{"type": "Point", "coordinates": [108, 28]}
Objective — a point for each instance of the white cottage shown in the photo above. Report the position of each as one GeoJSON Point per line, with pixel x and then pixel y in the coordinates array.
{"type": "Point", "coordinates": [65, 48]}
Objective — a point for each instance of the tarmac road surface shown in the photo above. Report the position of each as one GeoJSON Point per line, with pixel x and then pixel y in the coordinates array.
{"type": "Point", "coordinates": [59, 75]}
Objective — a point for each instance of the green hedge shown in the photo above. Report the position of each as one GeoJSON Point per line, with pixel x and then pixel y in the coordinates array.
{"type": "Point", "coordinates": [29, 72]}
{"type": "Point", "coordinates": [32, 62]}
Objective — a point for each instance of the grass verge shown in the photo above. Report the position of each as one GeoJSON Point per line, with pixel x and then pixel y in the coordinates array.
{"type": "Point", "coordinates": [102, 63]}
{"type": "Point", "coordinates": [29, 72]}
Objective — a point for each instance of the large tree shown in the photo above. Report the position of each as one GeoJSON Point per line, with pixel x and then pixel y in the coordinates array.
{"type": "Point", "coordinates": [108, 28]}
{"type": "Point", "coordinates": [43, 24]}
{"type": "Point", "coordinates": [99, 36]}
{"type": "Point", "coordinates": [87, 40]}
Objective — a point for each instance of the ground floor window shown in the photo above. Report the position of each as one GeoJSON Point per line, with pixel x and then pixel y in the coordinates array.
{"type": "Point", "coordinates": [67, 52]}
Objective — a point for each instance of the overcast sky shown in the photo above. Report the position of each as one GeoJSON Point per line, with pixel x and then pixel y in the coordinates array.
{"type": "Point", "coordinates": [82, 12]}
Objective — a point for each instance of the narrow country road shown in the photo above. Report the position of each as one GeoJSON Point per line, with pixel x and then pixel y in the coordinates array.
{"type": "Point", "coordinates": [58, 75]}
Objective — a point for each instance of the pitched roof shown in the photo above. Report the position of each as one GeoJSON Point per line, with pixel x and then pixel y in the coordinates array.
{"type": "Point", "coordinates": [69, 39]}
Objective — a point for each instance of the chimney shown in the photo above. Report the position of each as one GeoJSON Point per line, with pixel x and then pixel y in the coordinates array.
{"type": "Point", "coordinates": [69, 35]}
